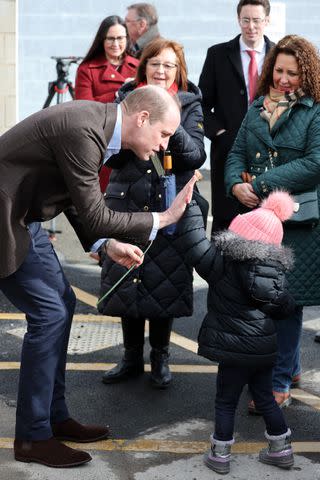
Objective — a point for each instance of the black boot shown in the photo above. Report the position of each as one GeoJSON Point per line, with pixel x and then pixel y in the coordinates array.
{"type": "Point", "coordinates": [132, 363]}
{"type": "Point", "coordinates": [160, 331]}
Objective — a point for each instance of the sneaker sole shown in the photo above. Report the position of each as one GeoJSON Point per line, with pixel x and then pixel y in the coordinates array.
{"type": "Point", "coordinates": [223, 470]}
{"type": "Point", "coordinates": [282, 464]}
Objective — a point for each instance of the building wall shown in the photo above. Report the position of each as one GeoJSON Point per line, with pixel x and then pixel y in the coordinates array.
{"type": "Point", "coordinates": [7, 65]}
{"type": "Point", "coordinates": [62, 28]}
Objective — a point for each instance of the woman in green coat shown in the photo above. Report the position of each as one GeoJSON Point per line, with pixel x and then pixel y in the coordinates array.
{"type": "Point", "coordinates": [278, 147]}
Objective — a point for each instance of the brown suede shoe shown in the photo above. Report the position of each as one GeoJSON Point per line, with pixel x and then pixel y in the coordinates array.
{"type": "Point", "coordinates": [50, 453]}
{"type": "Point", "coordinates": [72, 431]}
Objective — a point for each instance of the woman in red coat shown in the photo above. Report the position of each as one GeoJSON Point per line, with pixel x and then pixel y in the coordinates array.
{"type": "Point", "coordinates": [105, 68]}
{"type": "Point", "coordinates": [107, 64]}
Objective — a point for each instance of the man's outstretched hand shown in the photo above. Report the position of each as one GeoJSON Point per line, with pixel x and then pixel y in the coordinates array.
{"type": "Point", "coordinates": [124, 254]}
{"type": "Point", "coordinates": [178, 206]}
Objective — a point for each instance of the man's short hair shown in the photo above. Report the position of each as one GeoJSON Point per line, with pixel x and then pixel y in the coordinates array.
{"type": "Point", "coordinates": [146, 11]}
{"type": "Point", "coordinates": [153, 99]}
{"type": "Point", "coordinates": [264, 3]}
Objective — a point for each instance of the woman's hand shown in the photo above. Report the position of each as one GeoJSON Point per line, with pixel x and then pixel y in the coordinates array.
{"type": "Point", "coordinates": [245, 194]}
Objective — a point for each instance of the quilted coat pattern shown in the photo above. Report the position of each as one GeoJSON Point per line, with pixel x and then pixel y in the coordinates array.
{"type": "Point", "coordinates": [162, 286]}
{"type": "Point", "coordinates": [247, 289]}
{"type": "Point", "coordinates": [294, 145]}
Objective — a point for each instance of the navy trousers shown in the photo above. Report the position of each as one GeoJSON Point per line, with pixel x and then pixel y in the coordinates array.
{"type": "Point", "coordinates": [230, 383]}
{"type": "Point", "coordinates": [40, 289]}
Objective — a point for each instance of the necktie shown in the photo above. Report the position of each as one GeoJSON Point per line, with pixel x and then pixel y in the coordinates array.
{"type": "Point", "coordinates": [253, 74]}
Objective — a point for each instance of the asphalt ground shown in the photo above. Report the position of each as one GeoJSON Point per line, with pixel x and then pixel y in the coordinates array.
{"type": "Point", "coordinates": [155, 434]}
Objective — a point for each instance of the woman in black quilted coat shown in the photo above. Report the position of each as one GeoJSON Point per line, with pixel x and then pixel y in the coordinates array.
{"type": "Point", "coordinates": [161, 288]}
{"type": "Point", "coordinates": [245, 268]}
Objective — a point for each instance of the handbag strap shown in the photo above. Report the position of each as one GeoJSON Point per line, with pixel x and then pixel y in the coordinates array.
{"type": "Point", "coordinates": [157, 165]}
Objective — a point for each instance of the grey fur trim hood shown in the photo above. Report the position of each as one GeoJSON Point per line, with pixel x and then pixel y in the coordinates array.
{"type": "Point", "coordinates": [240, 249]}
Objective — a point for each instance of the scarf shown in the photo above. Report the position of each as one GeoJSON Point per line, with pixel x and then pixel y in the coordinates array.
{"type": "Point", "coordinates": [173, 90]}
{"type": "Point", "coordinates": [275, 103]}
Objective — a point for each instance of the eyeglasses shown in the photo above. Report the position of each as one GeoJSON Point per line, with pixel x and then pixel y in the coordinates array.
{"type": "Point", "coordinates": [111, 40]}
{"type": "Point", "coordinates": [166, 66]}
{"type": "Point", "coordinates": [244, 22]}
{"type": "Point", "coordinates": [132, 21]}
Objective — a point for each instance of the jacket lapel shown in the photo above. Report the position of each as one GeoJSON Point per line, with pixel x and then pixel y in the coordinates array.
{"type": "Point", "coordinates": [235, 58]}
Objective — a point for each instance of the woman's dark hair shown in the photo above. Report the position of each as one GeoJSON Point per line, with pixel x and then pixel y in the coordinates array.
{"type": "Point", "coordinates": [97, 48]}
{"type": "Point", "coordinates": [308, 61]}
{"type": "Point", "coordinates": [152, 49]}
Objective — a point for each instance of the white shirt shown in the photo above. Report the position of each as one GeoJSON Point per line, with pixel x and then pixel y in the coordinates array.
{"type": "Point", "coordinates": [113, 148]}
{"type": "Point", "coordinates": [245, 60]}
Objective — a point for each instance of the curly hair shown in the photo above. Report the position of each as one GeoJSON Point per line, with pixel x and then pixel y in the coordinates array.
{"type": "Point", "coordinates": [307, 57]}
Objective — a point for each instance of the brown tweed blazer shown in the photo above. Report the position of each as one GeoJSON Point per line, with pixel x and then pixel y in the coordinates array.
{"type": "Point", "coordinates": [49, 162]}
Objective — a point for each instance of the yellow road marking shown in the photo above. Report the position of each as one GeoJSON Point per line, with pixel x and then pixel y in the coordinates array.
{"type": "Point", "coordinates": [107, 366]}
{"type": "Point", "coordinates": [80, 317]}
{"type": "Point", "coordinates": [85, 297]}
{"type": "Point", "coordinates": [173, 446]}
{"type": "Point", "coordinates": [184, 342]}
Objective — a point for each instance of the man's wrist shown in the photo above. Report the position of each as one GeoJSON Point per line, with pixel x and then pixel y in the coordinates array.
{"type": "Point", "coordinates": [106, 245]}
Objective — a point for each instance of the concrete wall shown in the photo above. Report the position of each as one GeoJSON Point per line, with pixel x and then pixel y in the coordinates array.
{"type": "Point", "coordinates": [7, 64]}
{"type": "Point", "coordinates": [67, 27]}
{"type": "Point", "coordinates": [57, 28]}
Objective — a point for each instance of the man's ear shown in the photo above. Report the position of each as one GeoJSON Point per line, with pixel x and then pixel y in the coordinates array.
{"type": "Point", "coordinates": [142, 118]}
{"type": "Point", "coordinates": [143, 26]}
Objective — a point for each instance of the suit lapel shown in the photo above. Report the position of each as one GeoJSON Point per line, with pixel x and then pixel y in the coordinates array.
{"type": "Point", "coordinates": [235, 58]}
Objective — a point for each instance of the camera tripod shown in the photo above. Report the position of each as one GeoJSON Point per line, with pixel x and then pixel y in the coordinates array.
{"type": "Point", "coordinates": [60, 87]}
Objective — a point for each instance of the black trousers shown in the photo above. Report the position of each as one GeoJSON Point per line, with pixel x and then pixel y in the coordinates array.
{"type": "Point", "coordinates": [230, 383]}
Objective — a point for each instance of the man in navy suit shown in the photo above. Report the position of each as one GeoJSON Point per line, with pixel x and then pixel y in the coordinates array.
{"type": "Point", "coordinates": [224, 83]}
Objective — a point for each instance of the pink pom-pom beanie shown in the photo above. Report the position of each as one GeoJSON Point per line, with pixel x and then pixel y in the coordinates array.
{"type": "Point", "coordinates": [264, 224]}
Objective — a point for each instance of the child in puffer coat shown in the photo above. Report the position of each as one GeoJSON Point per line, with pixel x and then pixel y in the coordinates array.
{"type": "Point", "coordinates": [245, 268]}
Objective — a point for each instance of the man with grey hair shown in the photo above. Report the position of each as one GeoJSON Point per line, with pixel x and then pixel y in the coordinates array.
{"type": "Point", "coordinates": [49, 163]}
{"type": "Point", "coordinates": [141, 21]}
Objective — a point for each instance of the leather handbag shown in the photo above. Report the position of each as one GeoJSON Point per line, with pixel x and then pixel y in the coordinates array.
{"type": "Point", "coordinates": [306, 209]}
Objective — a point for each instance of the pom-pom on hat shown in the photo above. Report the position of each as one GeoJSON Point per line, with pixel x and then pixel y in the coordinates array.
{"type": "Point", "coordinates": [264, 224]}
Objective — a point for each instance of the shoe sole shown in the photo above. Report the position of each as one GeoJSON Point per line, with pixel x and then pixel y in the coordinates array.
{"type": "Point", "coordinates": [221, 470]}
{"type": "Point", "coordinates": [77, 440]}
{"type": "Point", "coordinates": [158, 386]}
{"type": "Point", "coordinates": [285, 404]}
{"type": "Point", "coordinates": [285, 465]}
{"type": "Point", "coordinates": [123, 378]}
{"type": "Point", "coordinates": [47, 464]}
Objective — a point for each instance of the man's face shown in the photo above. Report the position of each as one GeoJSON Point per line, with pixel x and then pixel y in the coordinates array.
{"type": "Point", "coordinates": [134, 24]}
{"type": "Point", "coordinates": [252, 21]}
{"type": "Point", "coordinates": [151, 138]}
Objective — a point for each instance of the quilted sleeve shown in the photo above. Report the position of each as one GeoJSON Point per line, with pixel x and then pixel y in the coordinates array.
{"type": "Point", "coordinates": [267, 289]}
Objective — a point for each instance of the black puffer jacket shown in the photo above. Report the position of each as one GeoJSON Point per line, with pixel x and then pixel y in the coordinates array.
{"type": "Point", "coordinates": [162, 286]}
{"type": "Point", "coordinates": [247, 288]}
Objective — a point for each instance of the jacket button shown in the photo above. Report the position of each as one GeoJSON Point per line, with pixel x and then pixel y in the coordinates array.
{"type": "Point", "coordinates": [146, 208]}
{"type": "Point", "coordinates": [275, 154]}
{"type": "Point", "coordinates": [160, 196]}
{"type": "Point", "coordinates": [135, 280]}
{"type": "Point", "coordinates": [241, 91]}
{"type": "Point", "coordinates": [149, 171]}
{"type": "Point", "coordinates": [112, 75]}
{"type": "Point", "coordinates": [258, 155]}
{"type": "Point", "coordinates": [122, 194]}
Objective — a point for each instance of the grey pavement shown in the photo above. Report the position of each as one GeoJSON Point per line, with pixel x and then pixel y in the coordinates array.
{"type": "Point", "coordinates": [163, 419]}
